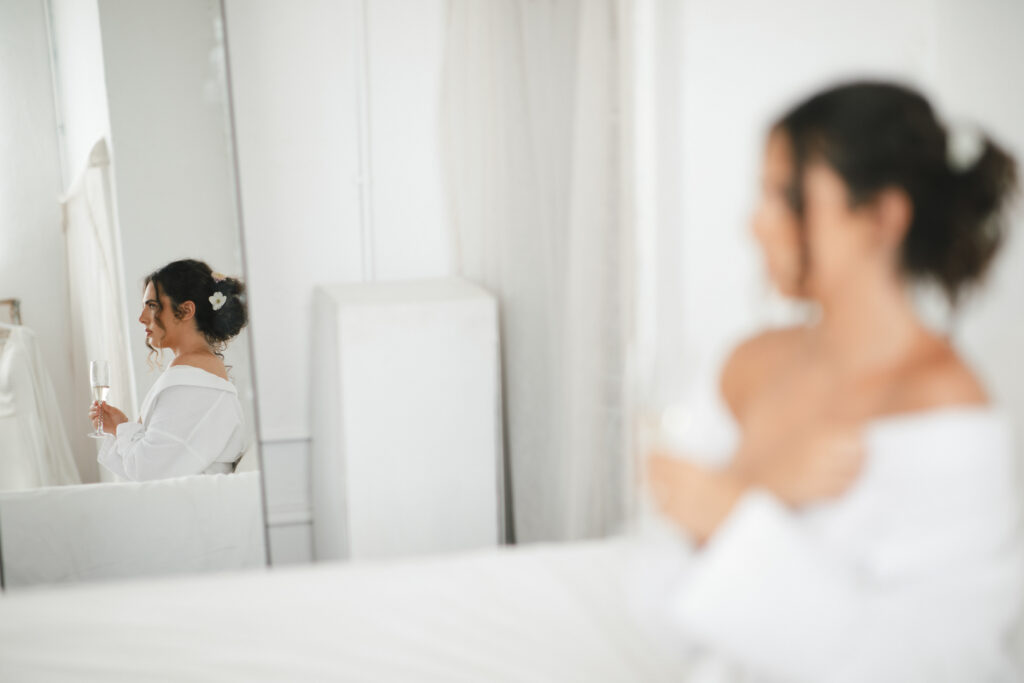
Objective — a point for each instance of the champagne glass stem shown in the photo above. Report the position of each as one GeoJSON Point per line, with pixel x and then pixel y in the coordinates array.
{"type": "Point", "coordinates": [99, 379]}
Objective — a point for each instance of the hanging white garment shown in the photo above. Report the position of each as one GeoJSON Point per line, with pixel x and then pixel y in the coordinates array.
{"type": "Point", "coordinates": [34, 449]}
{"type": "Point", "coordinates": [192, 423]}
{"type": "Point", "coordinates": [913, 575]}
{"type": "Point", "coordinates": [96, 291]}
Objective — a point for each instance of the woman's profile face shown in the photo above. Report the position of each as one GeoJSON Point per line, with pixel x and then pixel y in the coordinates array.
{"type": "Point", "coordinates": [842, 245]}
{"type": "Point", "coordinates": [774, 223]}
{"type": "Point", "coordinates": [156, 317]}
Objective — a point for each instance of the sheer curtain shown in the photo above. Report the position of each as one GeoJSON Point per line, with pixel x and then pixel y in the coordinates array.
{"type": "Point", "coordinates": [533, 137]}
{"type": "Point", "coordinates": [99, 325]}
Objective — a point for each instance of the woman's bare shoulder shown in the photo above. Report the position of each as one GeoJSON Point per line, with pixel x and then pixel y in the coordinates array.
{"type": "Point", "coordinates": [753, 361]}
{"type": "Point", "coordinates": [942, 378]}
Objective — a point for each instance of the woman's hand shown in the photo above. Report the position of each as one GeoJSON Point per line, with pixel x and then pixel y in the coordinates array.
{"type": "Point", "coordinates": [696, 498]}
{"type": "Point", "coordinates": [111, 417]}
{"type": "Point", "coordinates": [821, 465]}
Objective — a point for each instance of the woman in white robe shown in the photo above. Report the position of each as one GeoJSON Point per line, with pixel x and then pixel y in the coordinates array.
{"type": "Point", "coordinates": [191, 420]}
{"type": "Point", "coordinates": [913, 573]}
{"type": "Point", "coordinates": [865, 524]}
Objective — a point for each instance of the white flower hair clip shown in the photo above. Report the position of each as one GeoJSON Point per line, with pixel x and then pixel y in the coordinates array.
{"type": "Point", "coordinates": [218, 277]}
{"type": "Point", "coordinates": [964, 146]}
{"type": "Point", "coordinates": [217, 299]}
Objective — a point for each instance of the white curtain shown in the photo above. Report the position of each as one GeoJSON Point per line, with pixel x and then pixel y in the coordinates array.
{"type": "Point", "coordinates": [99, 321]}
{"type": "Point", "coordinates": [534, 144]}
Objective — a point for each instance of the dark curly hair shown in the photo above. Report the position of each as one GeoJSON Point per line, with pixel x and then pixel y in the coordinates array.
{"type": "Point", "coordinates": [191, 280]}
{"type": "Point", "coordinates": [877, 135]}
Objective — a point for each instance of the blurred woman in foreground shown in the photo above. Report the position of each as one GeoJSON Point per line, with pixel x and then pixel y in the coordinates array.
{"type": "Point", "coordinates": [866, 524]}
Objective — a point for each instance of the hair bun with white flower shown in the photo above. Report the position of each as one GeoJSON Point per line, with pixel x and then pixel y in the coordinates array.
{"type": "Point", "coordinates": [964, 146]}
{"type": "Point", "coordinates": [217, 300]}
{"type": "Point", "coordinates": [193, 280]}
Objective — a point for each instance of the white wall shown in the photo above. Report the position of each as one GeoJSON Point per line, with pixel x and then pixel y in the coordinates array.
{"type": "Point", "coordinates": [293, 84]}
{"type": "Point", "coordinates": [32, 257]}
{"type": "Point", "coordinates": [742, 62]}
{"type": "Point", "coordinates": [976, 69]}
{"type": "Point", "coordinates": [406, 51]}
{"type": "Point", "coordinates": [315, 115]}
{"type": "Point", "coordinates": [296, 87]}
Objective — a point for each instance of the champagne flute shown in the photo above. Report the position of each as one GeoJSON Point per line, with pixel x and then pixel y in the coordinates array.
{"type": "Point", "coordinates": [99, 378]}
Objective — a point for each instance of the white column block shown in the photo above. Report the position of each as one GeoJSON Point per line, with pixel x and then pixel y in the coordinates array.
{"type": "Point", "coordinates": [406, 419]}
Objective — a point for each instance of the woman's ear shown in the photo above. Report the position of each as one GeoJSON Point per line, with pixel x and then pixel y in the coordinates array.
{"type": "Point", "coordinates": [186, 311]}
{"type": "Point", "coordinates": [893, 212]}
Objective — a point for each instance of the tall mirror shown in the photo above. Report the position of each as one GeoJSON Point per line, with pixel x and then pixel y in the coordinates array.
{"type": "Point", "coordinates": [118, 160]}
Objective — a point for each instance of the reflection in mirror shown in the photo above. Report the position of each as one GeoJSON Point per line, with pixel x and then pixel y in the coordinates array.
{"type": "Point", "coordinates": [122, 299]}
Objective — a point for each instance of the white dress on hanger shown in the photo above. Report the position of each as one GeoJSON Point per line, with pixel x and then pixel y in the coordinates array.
{"type": "Point", "coordinates": [914, 574]}
{"type": "Point", "coordinates": [34, 448]}
{"type": "Point", "coordinates": [192, 423]}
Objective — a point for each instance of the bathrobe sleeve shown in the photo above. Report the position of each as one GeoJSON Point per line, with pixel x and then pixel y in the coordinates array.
{"type": "Point", "coordinates": [936, 605]}
{"type": "Point", "coordinates": [188, 428]}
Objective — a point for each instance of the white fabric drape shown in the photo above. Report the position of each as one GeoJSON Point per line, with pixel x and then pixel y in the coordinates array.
{"type": "Point", "coordinates": [532, 138]}
{"type": "Point", "coordinates": [35, 450]}
{"type": "Point", "coordinates": [99, 323]}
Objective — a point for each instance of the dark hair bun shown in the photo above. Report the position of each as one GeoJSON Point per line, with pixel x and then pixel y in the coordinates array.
{"type": "Point", "coordinates": [231, 317]}
{"type": "Point", "coordinates": [191, 280]}
{"type": "Point", "coordinates": [972, 226]}
{"type": "Point", "coordinates": [877, 135]}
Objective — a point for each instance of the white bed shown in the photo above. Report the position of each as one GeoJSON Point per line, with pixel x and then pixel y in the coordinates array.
{"type": "Point", "coordinates": [546, 613]}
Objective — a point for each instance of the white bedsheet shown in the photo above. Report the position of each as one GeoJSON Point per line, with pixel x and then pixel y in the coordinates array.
{"type": "Point", "coordinates": [533, 614]}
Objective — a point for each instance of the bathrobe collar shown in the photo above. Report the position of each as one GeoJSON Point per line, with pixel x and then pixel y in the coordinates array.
{"type": "Point", "coordinates": [186, 375]}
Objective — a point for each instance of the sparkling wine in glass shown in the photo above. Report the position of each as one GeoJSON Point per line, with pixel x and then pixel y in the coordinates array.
{"type": "Point", "coordinates": [99, 378]}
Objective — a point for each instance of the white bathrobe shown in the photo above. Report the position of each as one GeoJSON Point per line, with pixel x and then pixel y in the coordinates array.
{"type": "Point", "coordinates": [192, 423]}
{"type": "Point", "coordinates": [914, 574]}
